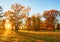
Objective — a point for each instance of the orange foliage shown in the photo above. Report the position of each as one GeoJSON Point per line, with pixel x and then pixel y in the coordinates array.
{"type": "Point", "coordinates": [9, 13]}
{"type": "Point", "coordinates": [50, 13]}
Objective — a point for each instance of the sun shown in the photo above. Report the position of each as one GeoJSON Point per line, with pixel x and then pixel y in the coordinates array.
{"type": "Point", "coordinates": [8, 24]}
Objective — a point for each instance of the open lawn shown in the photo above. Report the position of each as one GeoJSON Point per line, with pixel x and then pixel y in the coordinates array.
{"type": "Point", "coordinates": [28, 36]}
{"type": "Point", "coordinates": [41, 36]}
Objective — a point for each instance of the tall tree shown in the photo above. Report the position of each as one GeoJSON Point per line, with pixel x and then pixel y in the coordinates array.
{"type": "Point", "coordinates": [19, 10]}
{"type": "Point", "coordinates": [50, 18]}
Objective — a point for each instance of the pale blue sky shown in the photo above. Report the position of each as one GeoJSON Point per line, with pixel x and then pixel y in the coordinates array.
{"type": "Point", "coordinates": [36, 5]}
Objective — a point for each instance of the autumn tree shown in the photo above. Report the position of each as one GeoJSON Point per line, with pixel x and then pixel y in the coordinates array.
{"type": "Point", "coordinates": [28, 23]}
{"type": "Point", "coordinates": [58, 27]}
{"type": "Point", "coordinates": [50, 18]}
{"type": "Point", "coordinates": [33, 22]}
{"type": "Point", "coordinates": [10, 16]}
{"type": "Point", "coordinates": [43, 25]}
{"type": "Point", "coordinates": [19, 10]}
{"type": "Point", "coordinates": [36, 22]}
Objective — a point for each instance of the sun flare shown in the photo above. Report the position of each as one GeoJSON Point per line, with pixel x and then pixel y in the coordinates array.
{"type": "Point", "coordinates": [8, 24]}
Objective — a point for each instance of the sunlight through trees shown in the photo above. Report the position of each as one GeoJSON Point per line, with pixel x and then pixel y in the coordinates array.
{"type": "Point", "coordinates": [18, 19]}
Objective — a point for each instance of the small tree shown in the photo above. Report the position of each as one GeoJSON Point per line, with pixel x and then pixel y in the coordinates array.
{"type": "Point", "coordinates": [36, 22]}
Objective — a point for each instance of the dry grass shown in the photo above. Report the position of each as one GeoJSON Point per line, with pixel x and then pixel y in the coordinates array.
{"type": "Point", "coordinates": [41, 36]}
{"type": "Point", "coordinates": [30, 36]}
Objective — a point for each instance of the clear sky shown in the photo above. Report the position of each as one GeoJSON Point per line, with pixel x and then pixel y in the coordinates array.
{"type": "Point", "coordinates": [36, 5]}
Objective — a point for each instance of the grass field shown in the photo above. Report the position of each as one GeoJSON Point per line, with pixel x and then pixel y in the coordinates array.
{"type": "Point", "coordinates": [31, 36]}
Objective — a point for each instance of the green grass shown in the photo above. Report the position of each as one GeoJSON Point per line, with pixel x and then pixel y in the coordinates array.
{"type": "Point", "coordinates": [44, 36]}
